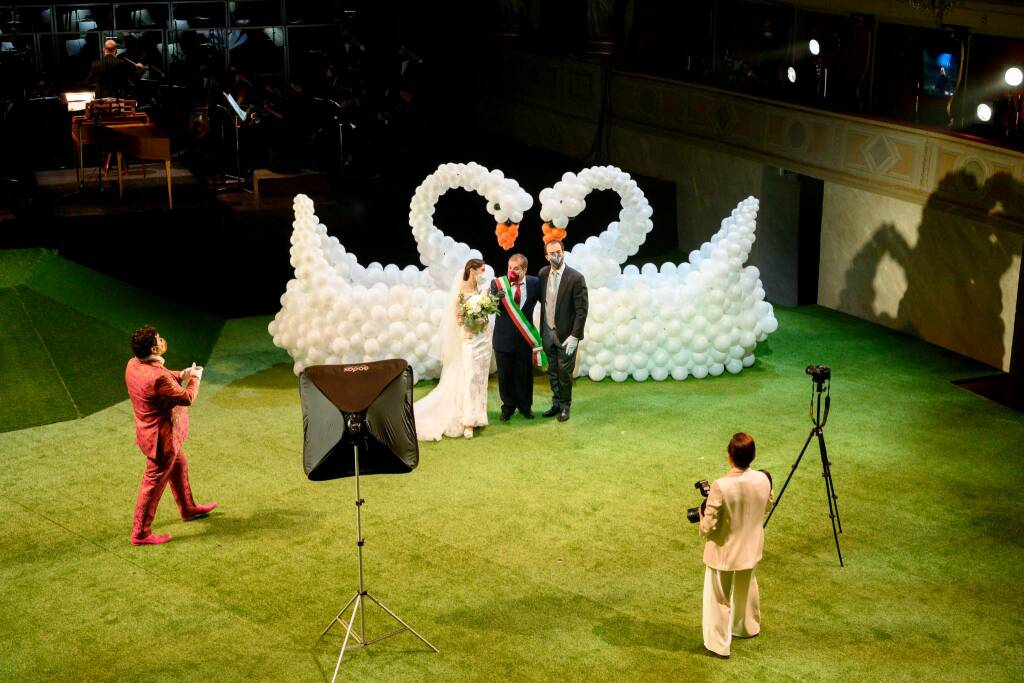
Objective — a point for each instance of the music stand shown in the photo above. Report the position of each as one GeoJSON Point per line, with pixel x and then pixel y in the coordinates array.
{"type": "Point", "coordinates": [351, 412]}
{"type": "Point", "coordinates": [339, 117]}
{"type": "Point", "coordinates": [78, 101]}
{"type": "Point", "coordinates": [239, 117]}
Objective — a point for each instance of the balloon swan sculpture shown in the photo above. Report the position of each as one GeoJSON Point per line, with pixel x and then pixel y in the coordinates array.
{"type": "Point", "coordinates": [697, 318]}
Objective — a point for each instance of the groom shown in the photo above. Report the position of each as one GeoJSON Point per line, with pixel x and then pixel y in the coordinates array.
{"type": "Point", "coordinates": [563, 313]}
{"type": "Point", "coordinates": [516, 341]}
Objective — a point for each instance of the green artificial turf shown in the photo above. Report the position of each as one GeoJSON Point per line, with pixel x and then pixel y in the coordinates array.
{"type": "Point", "coordinates": [17, 265]}
{"type": "Point", "coordinates": [65, 337]}
{"type": "Point", "coordinates": [538, 550]}
{"type": "Point", "coordinates": [31, 388]}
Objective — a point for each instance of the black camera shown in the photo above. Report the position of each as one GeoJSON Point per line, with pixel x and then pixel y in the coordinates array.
{"type": "Point", "coordinates": [693, 514]}
{"type": "Point", "coordinates": [819, 373]}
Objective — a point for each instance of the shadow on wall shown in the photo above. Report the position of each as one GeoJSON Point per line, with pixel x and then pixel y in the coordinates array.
{"type": "Point", "coordinates": [945, 285]}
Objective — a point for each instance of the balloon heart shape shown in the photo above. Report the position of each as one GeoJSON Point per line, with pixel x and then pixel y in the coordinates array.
{"type": "Point", "coordinates": [697, 318]}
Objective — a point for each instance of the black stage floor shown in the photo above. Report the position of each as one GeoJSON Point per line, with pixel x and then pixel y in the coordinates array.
{"type": "Point", "coordinates": [145, 189]}
{"type": "Point", "coordinates": [239, 261]}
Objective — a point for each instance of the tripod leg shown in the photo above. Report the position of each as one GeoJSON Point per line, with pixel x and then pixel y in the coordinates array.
{"type": "Point", "coordinates": [827, 468]}
{"type": "Point", "coordinates": [348, 632]}
{"type": "Point", "coordinates": [830, 495]}
{"type": "Point", "coordinates": [337, 617]}
{"type": "Point", "coordinates": [400, 621]}
{"type": "Point", "coordinates": [791, 472]}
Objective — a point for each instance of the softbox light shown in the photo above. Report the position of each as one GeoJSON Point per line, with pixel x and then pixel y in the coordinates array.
{"type": "Point", "coordinates": [357, 419]}
{"type": "Point", "coordinates": [368, 405]}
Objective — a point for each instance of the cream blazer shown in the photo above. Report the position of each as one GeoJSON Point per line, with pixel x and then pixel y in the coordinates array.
{"type": "Point", "coordinates": [732, 522]}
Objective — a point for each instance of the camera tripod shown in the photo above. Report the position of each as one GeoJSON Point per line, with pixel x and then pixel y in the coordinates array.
{"type": "Point", "coordinates": [819, 386]}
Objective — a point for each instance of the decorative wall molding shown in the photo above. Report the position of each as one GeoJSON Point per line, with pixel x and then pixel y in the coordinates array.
{"type": "Point", "coordinates": [895, 160]}
{"type": "Point", "coordinates": [995, 18]}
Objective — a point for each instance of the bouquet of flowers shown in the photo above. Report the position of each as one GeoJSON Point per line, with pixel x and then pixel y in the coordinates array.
{"type": "Point", "coordinates": [474, 309]}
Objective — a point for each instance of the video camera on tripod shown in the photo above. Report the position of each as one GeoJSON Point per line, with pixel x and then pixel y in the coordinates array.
{"type": "Point", "coordinates": [820, 386]}
{"type": "Point", "coordinates": [819, 373]}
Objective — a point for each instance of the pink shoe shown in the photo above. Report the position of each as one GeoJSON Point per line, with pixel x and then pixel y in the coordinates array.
{"type": "Point", "coordinates": [200, 511]}
{"type": "Point", "coordinates": [152, 539]}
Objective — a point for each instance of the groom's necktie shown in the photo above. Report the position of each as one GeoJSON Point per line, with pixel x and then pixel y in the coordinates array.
{"type": "Point", "coordinates": [518, 297]}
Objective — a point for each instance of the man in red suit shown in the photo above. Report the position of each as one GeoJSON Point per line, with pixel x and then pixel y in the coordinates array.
{"type": "Point", "coordinates": [160, 400]}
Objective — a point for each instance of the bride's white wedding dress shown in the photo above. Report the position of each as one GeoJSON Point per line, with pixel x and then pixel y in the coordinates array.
{"type": "Point", "coordinates": [459, 401]}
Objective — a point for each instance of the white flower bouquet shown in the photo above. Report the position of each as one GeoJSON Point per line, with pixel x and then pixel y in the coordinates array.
{"type": "Point", "coordinates": [475, 309]}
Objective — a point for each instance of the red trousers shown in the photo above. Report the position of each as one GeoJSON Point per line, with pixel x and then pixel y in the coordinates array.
{"type": "Point", "coordinates": [161, 470]}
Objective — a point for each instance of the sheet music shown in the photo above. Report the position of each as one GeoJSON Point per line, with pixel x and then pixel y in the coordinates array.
{"type": "Point", "coordinates": [239, 112]}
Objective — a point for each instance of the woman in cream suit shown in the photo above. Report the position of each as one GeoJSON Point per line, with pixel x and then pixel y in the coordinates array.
{"type": "Point", "coordinates": [731, 524]}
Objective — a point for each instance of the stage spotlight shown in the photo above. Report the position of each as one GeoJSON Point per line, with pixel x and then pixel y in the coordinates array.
{"type": "Point", "coordinates": [814, 46]}
{"type": "Point", "coordinates": [984, 112]}
{"type": "Point", "coordinates": [1013, 76]}
{"type": "Point", "coordinates": [791, 75]}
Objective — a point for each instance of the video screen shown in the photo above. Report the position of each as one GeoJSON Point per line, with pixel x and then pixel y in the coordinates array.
{"type": "Point", "coordinates": [940, 74]}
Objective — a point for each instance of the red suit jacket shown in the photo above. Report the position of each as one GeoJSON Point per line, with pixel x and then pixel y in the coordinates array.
{"type": "Point", "coordinates": [161, 406]}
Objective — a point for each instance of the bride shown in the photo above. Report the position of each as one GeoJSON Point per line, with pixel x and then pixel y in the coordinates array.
{"type": "Point", "coordinates": [459, 401]}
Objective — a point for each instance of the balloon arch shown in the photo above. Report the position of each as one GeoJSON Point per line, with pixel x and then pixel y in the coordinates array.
{"type": "Point", "coordinates": [701, 317]}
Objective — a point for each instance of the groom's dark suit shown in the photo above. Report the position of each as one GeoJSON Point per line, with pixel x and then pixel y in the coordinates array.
{"type": "Point", "coordinates": [570, 316]}
{"type": "Point", "coordinates": [513, 355]}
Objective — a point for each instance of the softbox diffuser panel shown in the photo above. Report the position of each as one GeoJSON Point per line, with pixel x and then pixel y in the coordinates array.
{"type": "Point", "coordinates": [331, 394]}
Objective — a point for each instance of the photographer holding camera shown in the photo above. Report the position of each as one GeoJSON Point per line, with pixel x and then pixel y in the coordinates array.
{"type": "Point", "coordinates": [160, 401]}
{"type": "Point", "coordinates": [731, 523]}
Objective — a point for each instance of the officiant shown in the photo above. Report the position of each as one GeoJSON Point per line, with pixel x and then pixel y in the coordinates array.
{"type": "Point", "coordinates": [517, 344]}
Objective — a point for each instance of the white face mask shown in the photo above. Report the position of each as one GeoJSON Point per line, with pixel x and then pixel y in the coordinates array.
{"type": "Point", "coordinates": [481, 278]}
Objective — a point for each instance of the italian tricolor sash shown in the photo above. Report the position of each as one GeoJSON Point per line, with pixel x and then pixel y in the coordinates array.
{"type": "Point", "coordinates": [525, 327]}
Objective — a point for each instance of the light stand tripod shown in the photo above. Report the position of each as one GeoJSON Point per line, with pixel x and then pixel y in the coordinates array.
{"type": "Point", "coordinates": [820, 379]}
{"type": "Point", "coordinates": [355, 426]}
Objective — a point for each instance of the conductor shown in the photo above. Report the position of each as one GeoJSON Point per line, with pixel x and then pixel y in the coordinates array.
{"type": "Point", "coordinates": [111, 75]}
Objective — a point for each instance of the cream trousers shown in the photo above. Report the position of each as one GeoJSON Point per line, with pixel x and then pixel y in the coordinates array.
{"type": "Point", "coordinates": [732, 607]}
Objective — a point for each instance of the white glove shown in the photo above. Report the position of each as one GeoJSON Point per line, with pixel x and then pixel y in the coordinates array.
{"type": "Point", "coordinates": [197, 371]}
{"type": "Point", "coordinates": [570, 345]}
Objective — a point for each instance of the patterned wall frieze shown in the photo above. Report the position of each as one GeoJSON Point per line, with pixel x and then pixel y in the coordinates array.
{"type": "Point", "coordinates": [887, 157]}
{"type": "Point", "coordinates": [891, 159]}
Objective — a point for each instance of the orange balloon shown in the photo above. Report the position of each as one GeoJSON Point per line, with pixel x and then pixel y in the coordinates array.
{"type": "Point", "coordinates": [507, 234]}
{"type": "Point", "coordinates": [552, 233]}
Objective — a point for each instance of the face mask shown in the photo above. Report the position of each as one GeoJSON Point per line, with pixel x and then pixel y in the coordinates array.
{"type": "Point", "coordinates": [513, 275]}
{"type": "Point", "coordinates": [480, 279]}
{"type": "Point", "coordinates": [556, 259]}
